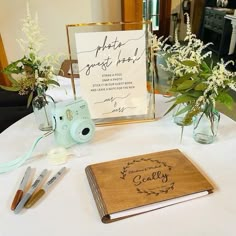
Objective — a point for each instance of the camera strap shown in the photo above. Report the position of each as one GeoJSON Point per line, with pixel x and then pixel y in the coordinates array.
{"type": "Point", "coordinates": [11, 165]}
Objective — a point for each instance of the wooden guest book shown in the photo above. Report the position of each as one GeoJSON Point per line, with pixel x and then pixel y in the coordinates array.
{"type": "Point", "coordinates": [138, 184]}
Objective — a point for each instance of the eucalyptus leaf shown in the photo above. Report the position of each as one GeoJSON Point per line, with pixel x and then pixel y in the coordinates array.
{"type": "Point", "coordinates": [13, 81]}
{"type": "Point", "coordinates": [189, 63]}
{"type": "Point", "coordinates": [14, 67]}
{"type": "Point", "coordinates": [184, 99]}
{"type": "Point", "coordinates": [171, 100]}
{"type": "Point", "coordinates": [183, 110]}
{"type": "Point", "coordinates": [183, 78]}
{"type": "Point", "coordinates": [53, 82]}
{"type": "Point", "coordinates": [205, 67]}
{"type": "Point", "coordinates": [225, 99]}
{"type": "Point", "coordinates": [170, 109]}
{"type": "Point", "coordinates": [12, 89]}
{"type": "Point", "coordinates": [194, 93]}
{"type": "Point", "coordinates": [30, 98]}
{"type": "Point", "coordinates": [205, 75]}
{"type": "Point", "coordinates": [185, 85]}
{"type": "Point", "coordinates": [201, 87]}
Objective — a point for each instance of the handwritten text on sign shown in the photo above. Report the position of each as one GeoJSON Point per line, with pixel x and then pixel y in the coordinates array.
{"type": "Point", "coordinates": [112, 68]}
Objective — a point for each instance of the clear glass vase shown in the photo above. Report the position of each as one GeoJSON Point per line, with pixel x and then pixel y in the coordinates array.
{"type": "Point", "coordinates": [42, 106]}
{"type": "Point", "coordinates": [180, 113]}
{"type": "Point", "coordinates": [206, 127]}
{"type": "Point", "coordinates": [179, 117]}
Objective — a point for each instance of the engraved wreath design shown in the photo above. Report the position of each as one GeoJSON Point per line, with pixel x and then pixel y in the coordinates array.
{"type": "Point", "coordinates": [163, 189]}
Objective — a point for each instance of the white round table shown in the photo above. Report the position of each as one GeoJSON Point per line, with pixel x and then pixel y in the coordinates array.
{"type": "Point", "coordinates": [69, 208]}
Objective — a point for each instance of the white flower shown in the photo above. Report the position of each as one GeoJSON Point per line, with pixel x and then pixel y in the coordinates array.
{"type": "Point", "coordinates": [33, 42]}
{"type": "Point", "coordinates": [219, 79]}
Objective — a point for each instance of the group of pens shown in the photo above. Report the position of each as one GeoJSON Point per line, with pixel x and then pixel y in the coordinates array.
{"type": "Point", "coordinates": [31, 196]}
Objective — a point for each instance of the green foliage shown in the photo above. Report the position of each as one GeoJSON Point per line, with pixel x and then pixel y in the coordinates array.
{"type": "Point", "coordinates": [31, 71]}
{"type": "Point", "coordinates": [30, 98]}
{"type": "Point", "coordinates": [186, 85]}
{"type": "Point", "coordinates": [14, 68]}
{"type": "Point", "coordinates": [12, 89]}
{"type": "Point", "coordinates": [189, 63]}
{"type": "Point", "coordinates": [196, 81]}
{"type": "Point", "coordinates": [53, 82]}
{"type": "Point", "coordinates": [199, 91]}
{"type": "Point", "coordinates": [201, 86]}
{"type": "Point", "coordinates": [225, 99]}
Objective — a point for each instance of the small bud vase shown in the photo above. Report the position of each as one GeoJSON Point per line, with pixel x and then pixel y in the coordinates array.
{"type": "Point", "coordinates": [180, 113]}
{"type": "Point", "coordinates": [42, 106]}
{"type": "Point", "coordinates": [180, 117]}
{"type": "Point", "coordinates": [206, 127]}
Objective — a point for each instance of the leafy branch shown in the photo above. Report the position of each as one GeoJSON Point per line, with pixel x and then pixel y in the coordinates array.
{"type": "Point", "coordinates": [163, 189]}
{"type": "Point", "coordinates": [31, 71]}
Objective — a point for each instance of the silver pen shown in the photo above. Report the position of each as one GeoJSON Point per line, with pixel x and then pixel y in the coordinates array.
{"type": "Point", "coordinates": [28, 194]}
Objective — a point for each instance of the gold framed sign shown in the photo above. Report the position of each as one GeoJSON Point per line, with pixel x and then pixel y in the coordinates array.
{"type": "Point", "coordinates": [115, 70]}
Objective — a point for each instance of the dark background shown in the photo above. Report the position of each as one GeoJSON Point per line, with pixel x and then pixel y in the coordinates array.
{"type": "Point", "coordinates": [212, 3]}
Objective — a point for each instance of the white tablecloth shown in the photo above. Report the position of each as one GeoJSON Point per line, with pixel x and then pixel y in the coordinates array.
{"type": "Point", "coordinates": [69, 208]}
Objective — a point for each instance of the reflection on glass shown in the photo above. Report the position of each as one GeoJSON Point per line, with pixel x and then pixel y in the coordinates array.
{"type": "Point", "coordinates": [151, 12]}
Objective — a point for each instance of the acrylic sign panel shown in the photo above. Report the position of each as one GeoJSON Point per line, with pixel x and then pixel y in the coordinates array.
{"type": "Point", "coordinates": [112, 68]}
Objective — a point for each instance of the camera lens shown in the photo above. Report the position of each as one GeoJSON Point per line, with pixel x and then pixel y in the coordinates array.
{"type": "Point", "coordinates": [82, 130]}
{"type": "Point", "coordinates": [85, 131]}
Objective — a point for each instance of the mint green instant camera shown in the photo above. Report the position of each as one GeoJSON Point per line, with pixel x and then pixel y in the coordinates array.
{"type": "Point", "coordinates": [72, 123]}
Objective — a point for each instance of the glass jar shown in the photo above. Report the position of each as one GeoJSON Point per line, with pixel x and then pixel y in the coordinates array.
{"type": "Point", "coordinates": [179, 117]}
{"type": "Point", "coordinates": [42, 106]}
{"type": "Point", "coordinates": [179, 114]}
{"type": "Point", "coordinates": [206, 127]}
